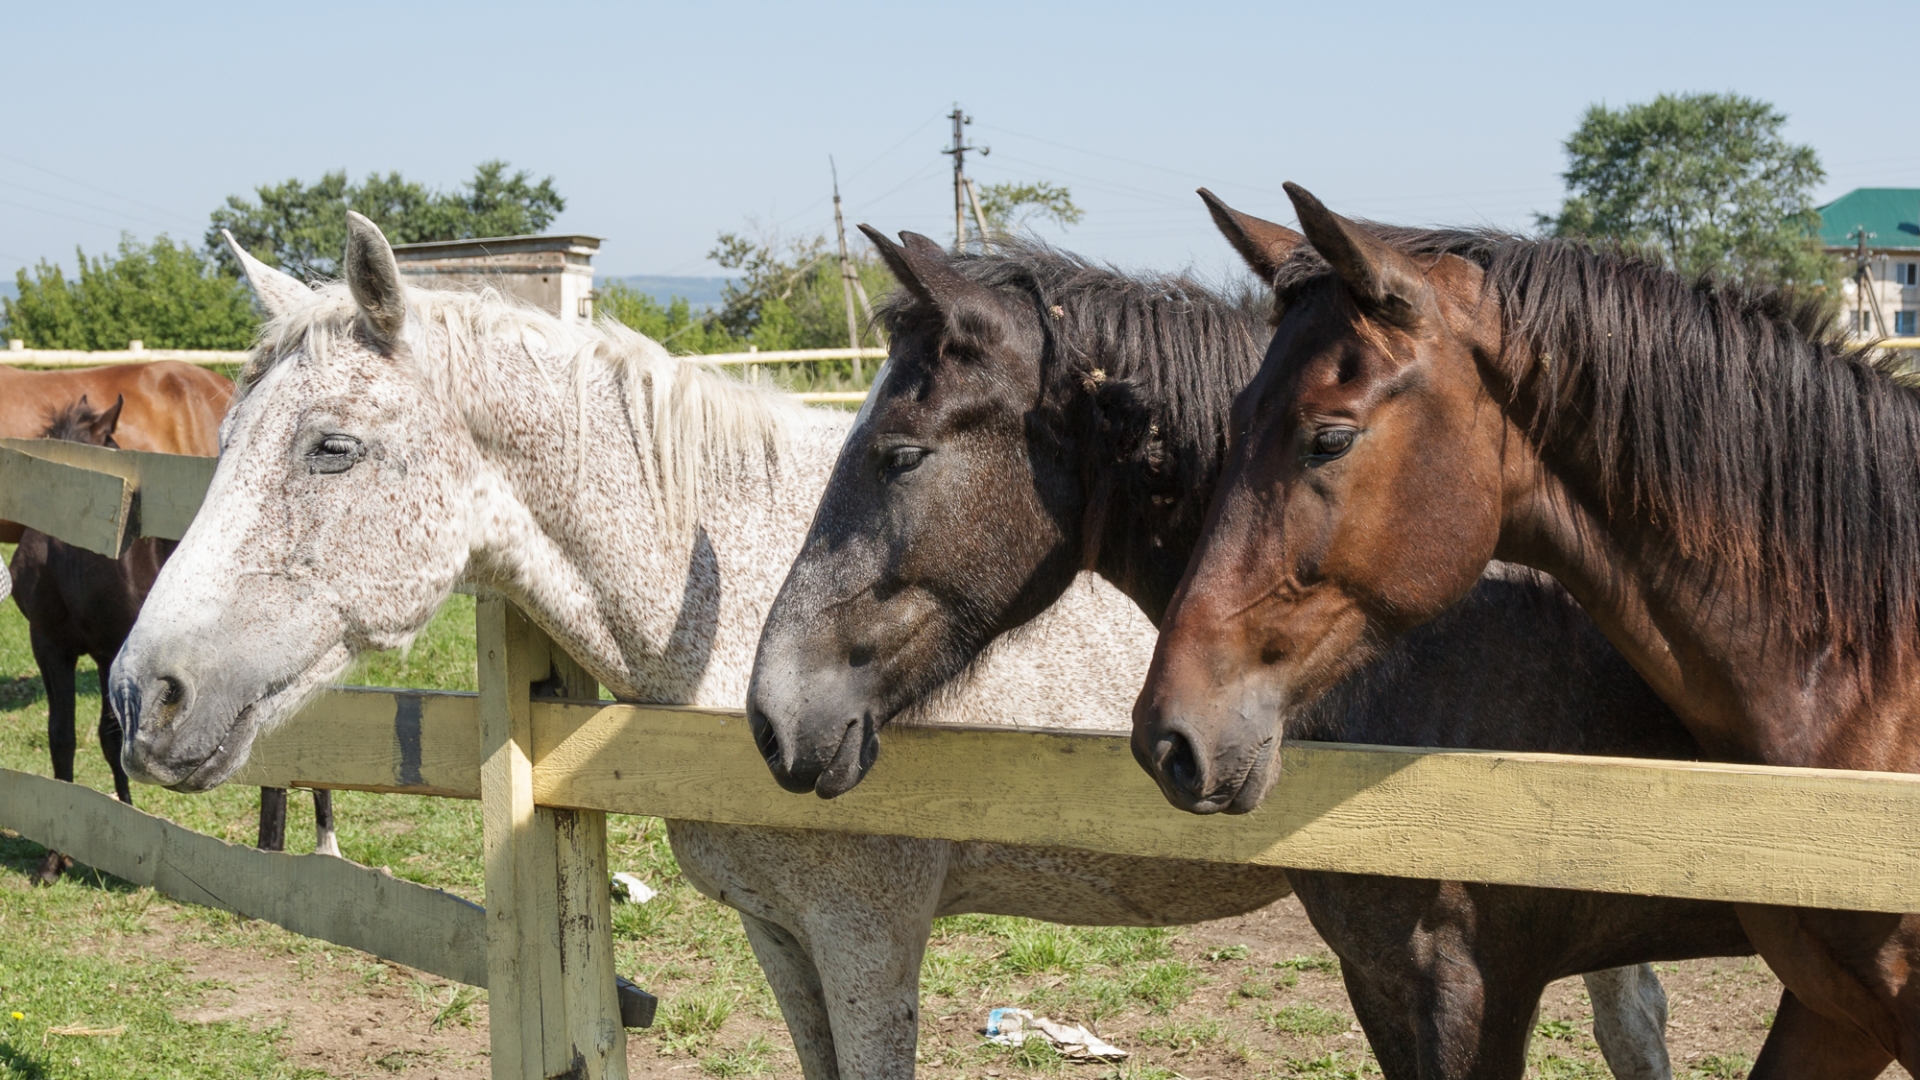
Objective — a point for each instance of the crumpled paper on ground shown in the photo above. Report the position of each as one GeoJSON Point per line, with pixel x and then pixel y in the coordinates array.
{"type": "Point", "coordinates": [630, 889]}
{"type": "Point", "coordinates": [1011, 1027]}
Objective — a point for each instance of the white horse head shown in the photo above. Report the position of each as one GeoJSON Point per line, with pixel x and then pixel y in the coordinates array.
{"type": "Point", "coordinates": [388, 442]}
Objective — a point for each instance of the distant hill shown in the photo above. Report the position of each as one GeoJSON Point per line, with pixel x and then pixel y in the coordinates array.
{"type": "Point", "coordinates": [701, 292]}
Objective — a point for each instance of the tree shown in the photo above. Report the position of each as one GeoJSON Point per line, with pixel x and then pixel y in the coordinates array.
{"type": "Point", "coordinates": [1705, 181]}
{"type": "Point", "coordinates": [673, 324]}
{"type": "Point", "coordinates": [789, 294]}
{"type": "Point", "coordinates": [302, 229]}
{"type": "Point", "coordinates": [1009, 206]}
{"type": "Point", "coordinates": [167, 296]}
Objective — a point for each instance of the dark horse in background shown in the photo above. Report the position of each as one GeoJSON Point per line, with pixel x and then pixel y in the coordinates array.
{"type": "Point", "coordinates": [79, 603]}
{"type": "Point", "coordinates": [1722, 480]}
{"type": "Point", "coordinates": [1039, 416]}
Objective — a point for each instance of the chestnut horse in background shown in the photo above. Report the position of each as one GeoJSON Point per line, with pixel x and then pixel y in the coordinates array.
{"type": "Point", "coordinates": [1727, 485]}
{"type": "Point", "coordinates": [167, 407]}
{"type": "Point", "coordinates": [171, 407]}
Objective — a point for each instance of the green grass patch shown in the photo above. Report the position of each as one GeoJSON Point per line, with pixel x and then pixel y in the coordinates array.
{"type": "Point", "coordinates": [1307, 1019]}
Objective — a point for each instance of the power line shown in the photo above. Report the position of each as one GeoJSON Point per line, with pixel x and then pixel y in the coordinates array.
{"type": "Point", "coordinates": [95, 188]}
{"type": "Point", "coordinates": [76, 202]}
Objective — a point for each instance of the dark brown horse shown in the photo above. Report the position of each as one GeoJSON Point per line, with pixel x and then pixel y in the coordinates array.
{"type": "Point", "coordinates": [1729, 489]}
{"type": "Point", "coordinates": [1038, 416]}
{"type": "Point", "coordinates": [171, 407]}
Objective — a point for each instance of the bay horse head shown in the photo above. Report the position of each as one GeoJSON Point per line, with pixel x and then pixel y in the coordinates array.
{"type": "Point", "coordinates": [1362, 495]}
{"type": "Point", "coordinates": [338, 452]}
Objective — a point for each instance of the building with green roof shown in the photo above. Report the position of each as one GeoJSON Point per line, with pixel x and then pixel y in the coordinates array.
{"type": "Point", "coordinates": [1890, 218]}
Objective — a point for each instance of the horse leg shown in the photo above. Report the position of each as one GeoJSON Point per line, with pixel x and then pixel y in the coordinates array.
{"type": "Point", "coordinates": [859, 906]}
{"type": "Point", "coordinates": [1803, 1044]}
{"type": "Point", "coordinates": [1848, 968]}
{"type": "Point", "coordinates": [1630, 1021]}
{"type": "Point", "coordinates": [324, 842]}
{"type": "Point", "coordinates": [110, 747]}
{"type": "Point", "coordinates": [273, 819]}
{"type": "Point", "coordinates": [796, 986]}
{"type": "Point", "coordinates": [56, 673]}
{"type": "Point", "coordinates": [1383, 1019]}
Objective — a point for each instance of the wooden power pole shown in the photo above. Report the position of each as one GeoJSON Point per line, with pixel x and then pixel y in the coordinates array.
{"type": "Point", "coordinates": [960, 194]}
{"type": "Point", "coordinates": [849, 277]}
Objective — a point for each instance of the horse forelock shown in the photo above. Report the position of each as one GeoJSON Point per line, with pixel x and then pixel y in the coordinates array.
{"type": "Point", "coordinates": [698, 431]}
{"type": "Point", "coordinates": [1142, 366]}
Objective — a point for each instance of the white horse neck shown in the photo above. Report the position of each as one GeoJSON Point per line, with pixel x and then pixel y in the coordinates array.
{"type": "Point", "coordinates": [567, 524]}
{"type": "Point", "coordinates": [568, 529]}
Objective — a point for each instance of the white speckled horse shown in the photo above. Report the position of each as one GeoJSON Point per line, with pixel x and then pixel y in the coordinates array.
{"type": "Point", "coordinates": [391, 443]}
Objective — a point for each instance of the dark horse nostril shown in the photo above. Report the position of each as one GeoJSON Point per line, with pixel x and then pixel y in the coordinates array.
{"type": "Point", "coordinates": [764, 738]}
{"type": "Point", "coordinates": [1179, 764]}
{"type": "Point", "coordinates": [172, 691]}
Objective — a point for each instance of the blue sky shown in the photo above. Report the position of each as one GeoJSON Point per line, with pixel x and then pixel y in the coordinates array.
{"type": "Point", "coordinates": [665, 124]}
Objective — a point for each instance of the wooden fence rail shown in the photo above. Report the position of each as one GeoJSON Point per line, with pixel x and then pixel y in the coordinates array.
{"type": "Point", "coordinates": [547, 771]}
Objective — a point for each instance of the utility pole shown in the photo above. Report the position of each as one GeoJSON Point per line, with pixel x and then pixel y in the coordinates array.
{"type": "Point", "coordinates": [1864, 295]}
{"type": "Point", "coordinates": [959, 151]}
{"type": "Point", "coordinates": [849, 280]}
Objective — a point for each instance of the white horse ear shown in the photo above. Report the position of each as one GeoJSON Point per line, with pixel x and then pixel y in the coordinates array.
{"type": "Point", "coordinates": [278, 292]}
{"type": "Point", "coordinates": [373, 275]}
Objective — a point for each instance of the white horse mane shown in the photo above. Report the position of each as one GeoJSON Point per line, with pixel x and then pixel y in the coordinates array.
{"type": "Point", "coordinates": [699, 430]}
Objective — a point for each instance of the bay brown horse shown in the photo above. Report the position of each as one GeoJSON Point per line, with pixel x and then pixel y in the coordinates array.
{"type": "Point", "coordinates": [171, 407]}
{"type": "Point", "coordinates": [1040, 416]}
{"type": "Point", "coordinates": [1729, 488]}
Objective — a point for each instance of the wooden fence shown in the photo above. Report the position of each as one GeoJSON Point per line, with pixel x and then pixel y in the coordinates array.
{"type": "Point", "coordinates": [548, 770]}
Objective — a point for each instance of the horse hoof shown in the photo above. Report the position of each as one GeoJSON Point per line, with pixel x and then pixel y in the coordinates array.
{"type": "Point", "coordinates": [51, 868]}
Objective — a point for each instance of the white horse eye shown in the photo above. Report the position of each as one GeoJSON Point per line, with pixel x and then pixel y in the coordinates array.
{"type": "Point", "coordinates": [334, 454]}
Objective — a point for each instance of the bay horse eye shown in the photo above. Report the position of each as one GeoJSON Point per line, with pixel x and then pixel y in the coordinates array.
{"type": "Point", "coordinates": [902, 459]}
{"type": "Point", "coordinates": [1330, 443]}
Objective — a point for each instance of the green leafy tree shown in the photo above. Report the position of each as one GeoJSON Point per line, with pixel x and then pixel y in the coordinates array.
{"type": "Point", "coordinates": [167, 296]}
{"type": "Point", "coordinates": [674, 324]}
{"type": "Point", "coordinates": [1708, 182]}
{"type": "Point", "coordinates": [789, 294]}
{"type": "Point", "coordinates": [1010, 206]}
{"type": "Point", "coordinates": [302, 228]}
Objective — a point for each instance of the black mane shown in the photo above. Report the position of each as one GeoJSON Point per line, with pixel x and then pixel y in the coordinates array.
{"type": "Point", "coordinates": [1774, 453]}
{"type": "Point", "coordinates": [1142, 367]}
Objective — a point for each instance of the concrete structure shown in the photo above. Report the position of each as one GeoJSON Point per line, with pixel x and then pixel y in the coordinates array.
{"type": "Point", "coordinates": [1890, 219]}
{"type": "Point", "coordinates": [553, 273]}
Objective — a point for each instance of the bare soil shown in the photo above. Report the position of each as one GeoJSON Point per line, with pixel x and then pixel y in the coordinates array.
{"type": "Point", "coordinates": [346, 1015]}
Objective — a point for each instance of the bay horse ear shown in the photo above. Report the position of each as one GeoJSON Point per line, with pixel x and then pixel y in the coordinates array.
{"type": "Point", "coordinates": [278, 292]}
{"type": "Point", "coordinates": [1263, 244]}
{"type": "Point", "coordinates": [373, 276]}
{"type": "Point", "coordinates": [1385, 283]}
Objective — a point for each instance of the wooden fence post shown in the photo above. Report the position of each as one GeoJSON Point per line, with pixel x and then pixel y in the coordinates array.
{"type": "Point", "coordinates": [551, 994]}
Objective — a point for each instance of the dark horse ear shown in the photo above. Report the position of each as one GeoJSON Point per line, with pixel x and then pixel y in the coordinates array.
{"type": "Point", "coordinates": [100, 425]}
{"type": "Point", "coordinates": [1263, 244]}
{"type": "Point", "coordinates": [925, 270]}
{"type": "Point", "coordinates": [1385, 283]}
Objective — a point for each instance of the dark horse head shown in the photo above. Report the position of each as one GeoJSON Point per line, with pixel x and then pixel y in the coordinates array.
{"type": "Point", "coordinates": [1030, 405]}
{"type": "Point", "coordinates": [81, 422]}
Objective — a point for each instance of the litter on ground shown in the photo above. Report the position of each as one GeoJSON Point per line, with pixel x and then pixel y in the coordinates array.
{"type": "Point", "coordinates": [1011, 1027]}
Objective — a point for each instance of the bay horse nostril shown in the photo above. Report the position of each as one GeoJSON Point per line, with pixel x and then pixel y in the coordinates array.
{"type": "Point", "coordinates": [1180, 764]}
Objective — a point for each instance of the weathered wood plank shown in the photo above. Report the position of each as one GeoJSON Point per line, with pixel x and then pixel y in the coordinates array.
{"type": "Point", "coordinates": [84, 507]}
{"type": "Point", "coordinates": [408, 742]}
{"type": "Point", "coordinates": [1816, 838]}
{"type": "Point", "coordinates": [167, 488]}
{"type": "Point", "coordinates": [319, 896]}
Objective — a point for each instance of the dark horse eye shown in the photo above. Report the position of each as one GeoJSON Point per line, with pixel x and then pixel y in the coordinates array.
{"type": "Point", "coordinates": [902, 459]}
{"type": "Point", "coordinates": [1330, 443]}
{"type": "Point", "coordinates": [334, 454]}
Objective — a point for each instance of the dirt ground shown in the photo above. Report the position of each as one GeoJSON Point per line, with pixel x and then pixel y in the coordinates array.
{"type": "Point", "coordinates": [344, 1015]}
